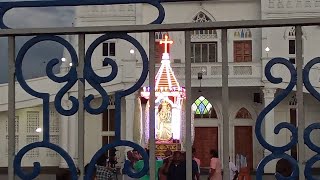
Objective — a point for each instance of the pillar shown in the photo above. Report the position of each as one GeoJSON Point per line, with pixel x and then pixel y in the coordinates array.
{"type": "Point", "coordinates": [129, 76]}
{"type": "Point", "coordinates": [269, 125]}
{"type": "Point", "coordinates": [130, 104]}
{"type": "Point", "coordinates": [73, 137]}
{"type": "Point", "coordinates": [64, 128]}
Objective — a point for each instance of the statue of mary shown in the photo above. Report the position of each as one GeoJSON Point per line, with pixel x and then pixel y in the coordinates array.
{"type": "Point", "coordinates": [164, 118]}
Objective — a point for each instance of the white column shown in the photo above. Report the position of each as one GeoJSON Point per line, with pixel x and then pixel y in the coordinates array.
{"type": "Point", "coordinates": [64, 125]}
{"type": "Point", "coordinates": [73, 138]}
{"type": "Point", "coordinates": [269, 124]}
{"type": "Point", "coordinates": [130, 104]}
{"type": "Point", "coordinates": [64, 138]}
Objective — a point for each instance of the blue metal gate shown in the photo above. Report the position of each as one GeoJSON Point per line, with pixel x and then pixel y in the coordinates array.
{"type": "Point", "coordinates": [82, 72]}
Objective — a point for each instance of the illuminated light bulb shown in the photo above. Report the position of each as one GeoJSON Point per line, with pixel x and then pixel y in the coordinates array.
{"type": "Point", "coordinates": [38, 130]}
{"type": "Point", "coordinates": [63, 59]}
{"type": "Point", "coordinates": [70, 64]}
{"type": "Point", "coordinates": [267, 49]}
{"type": "Point", "coordinates": [131, 51]}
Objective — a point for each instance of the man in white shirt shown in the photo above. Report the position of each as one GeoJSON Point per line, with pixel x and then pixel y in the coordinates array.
{"type": "Point", "coordinates": [233, 170]}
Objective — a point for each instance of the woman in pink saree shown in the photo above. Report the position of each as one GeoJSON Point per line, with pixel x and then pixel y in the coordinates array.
{"type": "Point", "coordinates": [215, 166]}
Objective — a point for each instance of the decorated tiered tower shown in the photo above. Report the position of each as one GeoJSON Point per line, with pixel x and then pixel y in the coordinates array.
{"type": "Point", "coordinates": [169, 107]}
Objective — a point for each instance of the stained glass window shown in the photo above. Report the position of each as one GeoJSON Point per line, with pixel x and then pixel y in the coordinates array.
{"type": "Point", "coordinates": [201, 106]}
{"type": "Point", "coordinates": [242, 33]}
{"type": "Point", "coordinates": [243, 113]}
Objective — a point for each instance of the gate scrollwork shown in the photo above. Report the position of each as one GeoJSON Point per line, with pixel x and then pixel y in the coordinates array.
{"type": "Point", "coordinates": [313, 126]}
{"type": "Point", "coordinates": [277, 152]}
{"type": "Point", "coordinates": [70, 80]}
{"type": "Point", "coordinates": [95, 81]}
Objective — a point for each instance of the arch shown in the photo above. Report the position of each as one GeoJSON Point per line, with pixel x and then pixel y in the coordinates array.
{"type": "Point", "coordinates": [201, 17]}
{"type": "Point", "coordinates": [290, 32]}
{"type": "Point", "coordinates": [201, 10]}
{"type": "Point", "coordinates": [203, 108]}
{"type": "Point", "coordinates": [243, 113]}
{"type": "Point", "coordinates": [242, 33]}
{"type": "Point", "coordinates": [213, 113]}
{"type": "Point", "coordinates": [293, 100]}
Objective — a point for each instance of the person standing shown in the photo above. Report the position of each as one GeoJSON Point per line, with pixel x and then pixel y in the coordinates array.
{"type": "Point", "coordinates": [284, 167]}
{"type": "Point", "coordinates": [177, 167]}
{"type": "Point", "coordinates": [233, 170]}
{"type": "Point", "coordinates": [215, 166]}
{"type": "Point", "coordinates": [138, 166]}
{"type": "Point", "coordinates": [166, 163]}
{"type": "Point", "coordinates": [131, 158]}
{"type": "Point", "coordinates": [196, 159]}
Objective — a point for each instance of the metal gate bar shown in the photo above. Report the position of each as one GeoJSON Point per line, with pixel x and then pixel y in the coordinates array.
{"type": "Point", "coordinates": [187, 67]}
{"type": "Point", "coordinates": [225, 103]}
{"type": "Point", "coordinates": [81, 95]}
{"type": "Point", "coordinates": [163, 27]}
{"type": "Point", "coordinates": [11, 106]}
{"type": "Point", "coordinates": [300, 102]}
{"type": "Point", "coordinates": [11, 33]}
{"type": "Point", "coordinates": [152, 71]}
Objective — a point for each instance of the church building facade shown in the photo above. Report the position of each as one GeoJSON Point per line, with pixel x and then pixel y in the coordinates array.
{"type": "Point", "coordinates": [249, 90]}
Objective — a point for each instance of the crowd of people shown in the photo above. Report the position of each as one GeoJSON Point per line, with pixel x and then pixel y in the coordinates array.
{"type": "Point", "coordinates": [171, 167]}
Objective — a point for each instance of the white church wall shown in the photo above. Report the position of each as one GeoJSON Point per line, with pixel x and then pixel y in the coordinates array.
{"type": "Point", "coordinates": [93, 130]}
{"type": "Point", "coordinates": [277, 40]}
{"type": "Point", "coordinates": [27, 121]}
{"type": "Point", "coordinates": [23, 99]}
{"type": "Point", "coordinates": [107, 16]}
{"type": "Point", "coordinates": [215, 11]}
{"type": "Point", "coordinates": [312, 115]}
{"type": "Point", "coordinates": [282, 114]}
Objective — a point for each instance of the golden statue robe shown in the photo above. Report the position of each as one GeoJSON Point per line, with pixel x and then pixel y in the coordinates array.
{"type": "Point", "coordinates": [164, 117]}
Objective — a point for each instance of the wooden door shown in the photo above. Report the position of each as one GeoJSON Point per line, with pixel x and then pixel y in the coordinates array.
{"type": "Point", "coordinates": [293, 120]}
{"type": "Point", "coordinates": [242, 51]}
{"type": "Point", "coordinates": [206, 138]}
{"type": "Point", "coordinates": [244, 143]}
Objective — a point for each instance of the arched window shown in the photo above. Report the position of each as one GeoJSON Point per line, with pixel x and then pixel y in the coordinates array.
{"type": "Point", "coordinates": [203, 34]}
{"type": "Point", "coordinates": [290, 35]}
{"type": "Point", "coordinates": [203, 42]}
{"type": "Point", "coordinates": [292, 32]}
{"type": "Point", "coordinates": [243, 113]}
{"type": "Point", "coordinates": [203, 108]}
{"type": "Point", "coordinates": [293, 100]}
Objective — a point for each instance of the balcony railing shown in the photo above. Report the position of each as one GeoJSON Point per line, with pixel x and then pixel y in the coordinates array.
{"type": "Point", "coordinates": [214, 70]}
